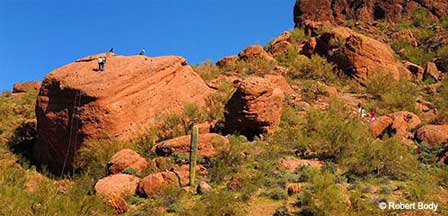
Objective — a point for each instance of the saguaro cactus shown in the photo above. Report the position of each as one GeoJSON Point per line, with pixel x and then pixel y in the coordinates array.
{"type": "Point", "coordinates": [193, 153]}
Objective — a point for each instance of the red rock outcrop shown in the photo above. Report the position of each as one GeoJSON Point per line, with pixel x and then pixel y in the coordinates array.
{"type": "Point", "coordinates": [362, 57]}
{"type": "Point", "coordinates": [127, 158]}
{"type": "Point", "coordinates": [77, 102]}
{"type": "Point", "coordinates": [183, 172]}
{"type": "Point", "coordinates": [210, 145]}
{"type": "Point", "coordinates": [433, 134]}
{"type": "Point", "coordinates": [119, 185]}
{"type": "Point", "coordinates": [369, 11]}
{"type": "Point", "coordinates": [291, 164]}
{"type": "Point", "coordinates": [154, 184]}
{"type": "Point", "coordinates": [21, 87]}
{"type": "Point", "coordinates": [255, 108]}
{"type": "Point", "coordinates": [399, 124]}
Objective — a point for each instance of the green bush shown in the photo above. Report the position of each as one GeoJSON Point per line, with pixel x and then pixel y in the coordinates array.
{"type": "Point", "coordinates": [218, 203]}
{"type": "Point", "coordinates": [314, 68]}
{"type": "Point", "coordinates": [323, 196]}
{"type": "Point", "coordinates": [130, 171]}
{"type": "Point", "coordinates": [421, 17]}
{"type": "Point", "coordinates": [207, 70]}
{"type": "Point", "coordinates": [391, 95]}
{"type": "Point", "coordinates": [413, 54]}
{"type": "Point", "coordinates": [277, 194]}
{"type": "Point", "coordinates": [333, 132]}
{"type": "Point", "coordinates": [216, 101]}
{"type": "Point", "coordinates": [441, 102]}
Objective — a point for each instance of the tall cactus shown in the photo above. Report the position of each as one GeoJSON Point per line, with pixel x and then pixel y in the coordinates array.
{"type": "Point", "coordinates": [193, 153]}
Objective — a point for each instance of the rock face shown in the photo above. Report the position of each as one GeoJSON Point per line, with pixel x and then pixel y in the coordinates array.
{"type": "Point", "coordinates": [399, 124]}
{"type": "Point", "coordinates": [433, 134]}
{"type": "Point", "coordinates": [77, 102]}
{"type": "Point", "coordinates": [119, 185]}
{"type": "Point", "coordinates": [127, 158]}
{"type": "Point", "coordinates": [361, 57]}
{"type": "Point", "coordinates": [154, 184]}
{"type": "Point", "coordinates": [255, 108]}
{"type": "Point", "coordinates": [21, 87]}
{"type": "Point", "coordinates": [210, 145]}
{"type": "Point", "coordinates": [337, 11]}
{"type": "Point", "coordinates": [253, 52]}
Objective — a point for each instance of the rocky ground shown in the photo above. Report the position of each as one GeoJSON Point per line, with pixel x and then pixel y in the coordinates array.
{"type": "Point", "coordinates": [279, 128]}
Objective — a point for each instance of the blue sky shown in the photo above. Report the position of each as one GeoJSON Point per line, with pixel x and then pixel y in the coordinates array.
{"type": "Point", "coordinates": [38, 36]}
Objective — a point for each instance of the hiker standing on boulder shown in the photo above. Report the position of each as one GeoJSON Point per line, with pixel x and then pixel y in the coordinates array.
{"type": "Point", "coordinates": [142, 52]}
{"type": "Point", "coordinates": [101, 63]}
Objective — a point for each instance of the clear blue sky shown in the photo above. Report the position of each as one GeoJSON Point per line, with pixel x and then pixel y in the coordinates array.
{"type": "Point", "coordinates": [37, 36]}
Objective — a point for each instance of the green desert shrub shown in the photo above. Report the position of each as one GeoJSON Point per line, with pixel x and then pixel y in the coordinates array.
{"type": "Point", "coordinates": [421, 17]}
{"type": "Point", "coordinates": [298, 35]}
{"type": "Point", "coordinates": [323, 196]}
{"type": "Point", "coordinates": [207, 70]}
{"type": "Point", "coordinates": [218, 203]}
{"type": "Point", "coordinates": [391, 95]}
{"type": "Point", "coordinates": [314, 68]}
{"type": "Point", "coordinates": [216, 101]}
{"type": "Point", "coordinates": [277, 194]}
{"type": "Point", "coordinates": [441, 102]}
{"type": "Point", "coordinates": [333, 132]}
{"type": "Point", "coordinates": [411, 53]}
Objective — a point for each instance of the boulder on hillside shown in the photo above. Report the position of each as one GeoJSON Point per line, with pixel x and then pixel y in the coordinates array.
{"type": "Point", "coordinates": [361, 57]}
{"type": "Point", "coordinates": [281, 44]}
{"type": "Point", "coordinates": [255, 108]}
{"type": "Point", "coordinates": [227, 61]}
{"type": "Point", "coordinates": [22, 87]}
{"type": "Point", "coordinates": [431, 72]}
{"type": "Point", "coordinates": [119, 185]}
{"type": "Point", "coordinates": [291, 164]}
{"type": "Point", "coordinates": [210, 145]}
{"type": "Point", "coordinates": [415, 69]}
{"type": "Point", "coordinates": [153, 184]}
{"type": "Point", "coordinates": [433, 134]}
{"type": "Point", "coordinates": [255, 52]}
{"type": "Point", "coordinates": [127, 158]}
{"type": "Point", "coordinates": [368, 11]}
{"type": "Point", "coordinates": [77, 102]}
{"type": "Point", "coordinates": [398, 124]}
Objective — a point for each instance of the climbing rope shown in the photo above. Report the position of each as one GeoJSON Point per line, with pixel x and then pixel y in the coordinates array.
{"type": "Point", "coordinates": [76, 103]}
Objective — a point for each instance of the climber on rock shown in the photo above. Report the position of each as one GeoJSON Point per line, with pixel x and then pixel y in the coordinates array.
{"type": "Point", "coordinates": [142, 52]}
{"type": "Point", "coordinates": [101, 63]}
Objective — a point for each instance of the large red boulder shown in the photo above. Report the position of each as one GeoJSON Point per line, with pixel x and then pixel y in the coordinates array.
{"type": "Point", "coordinates": [127, 158]}
{"type": "Point", "coordinates": [255, 108]}
{"type": "Point", "coordinates": [368, 11]}
{"type": "Point", "coordinates": [77, 102]}
{"type": "Point", "coordinates": [433, 134]}
{"type": "Point", "coordinates": [362, 57]}
{"type": "Point", "coordinates": [210, 145]}
{"type": "Point", "coordinates": [400, 124]}
{"type": "Point", "coordinates": [21, 87]}
{"type": "Point", "coordinates": [119, 185]}
{"type": "Point", "coordinates": [154, 184]}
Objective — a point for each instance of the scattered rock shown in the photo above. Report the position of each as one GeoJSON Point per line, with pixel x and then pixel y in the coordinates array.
{"type": "Point", "coordinates": [183, 172]}
{"type": "Point", "coordinates": [294, 188]}
{"type": "Point", "coordinates": [234, 184]}
{"type": "Point", "coordinates": [415, 69]}
{"type": "Point", "coordinates": [79, 100]}
{"type": "Point", "coordinates": [153, 184]}
{"type": "Point", "coordinates": [204, 188]}
{"type": "Point", "coordinates": [255, 108]}
{"type": "Point", "coordinates": [291, 164]}
{"type": "Point", "coordinates": [433, 134]}
{"type": "Point", "coordinates": [118, 185]}
{"type": "Point", "coordinates": [281, 44]}
{"type": "Point", "coordinates": [209, 145]}
{"type": "Point", "coordinates": [431, 71]}
{"type": "Point", "coordinates": [22, 87]}
{"type": "Point", "coordinates": [280, 82]}
{"type": "Point", "coordinates": [119, 204]}
{"type": "Point", "coordinates": [127, 158]}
